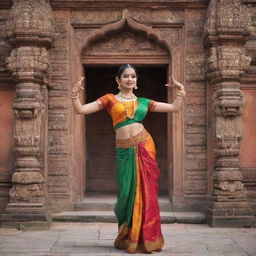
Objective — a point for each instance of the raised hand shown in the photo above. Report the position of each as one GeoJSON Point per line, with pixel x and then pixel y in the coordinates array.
{"type": "Point", "coordinates": [78, 86]}
{"type": "Point", "coordinates": [174, 83]}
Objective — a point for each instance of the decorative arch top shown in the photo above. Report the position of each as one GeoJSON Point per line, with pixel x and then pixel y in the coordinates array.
{"type": "Point", "coordinates": [125, 20]}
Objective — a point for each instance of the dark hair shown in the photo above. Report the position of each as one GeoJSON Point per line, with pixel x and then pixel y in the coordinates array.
{"type": "Point", "coordinates": [123, 68]}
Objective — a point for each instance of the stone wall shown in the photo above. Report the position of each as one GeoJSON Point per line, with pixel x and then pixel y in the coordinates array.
{"type": "Point", "coordinates": [59, 150]}
{"type": "Point", "coordinates": [208, 45]}
{"type": "Point", "coordinates": [195, 115]}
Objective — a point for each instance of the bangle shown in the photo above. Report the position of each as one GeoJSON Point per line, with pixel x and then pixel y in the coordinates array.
{"type": "Point", "coordinates": [181, 93]}
{"type": "Point", "coordinates": [74, 95]}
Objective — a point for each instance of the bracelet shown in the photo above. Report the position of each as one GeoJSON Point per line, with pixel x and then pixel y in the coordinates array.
{"type": "Point", "coordinates": [74, 97]}
{"type": "Point", "coordinates": [181, 93]}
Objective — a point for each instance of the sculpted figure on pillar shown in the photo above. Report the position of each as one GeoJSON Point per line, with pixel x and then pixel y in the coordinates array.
{"type": "Point", "coordinates": [226, 32]}
{"type": "Point", "coordinates": [30, 32]}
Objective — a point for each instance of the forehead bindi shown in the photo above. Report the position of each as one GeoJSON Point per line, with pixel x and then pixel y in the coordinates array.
{"type": "Point", "coordinates": [129, 71]}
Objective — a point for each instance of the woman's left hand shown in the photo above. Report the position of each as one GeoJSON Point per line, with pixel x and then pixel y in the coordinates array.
{"type": "Point", "coordinates": [174, 83]}
{"type": "Point", "coordinates": [78, 86]}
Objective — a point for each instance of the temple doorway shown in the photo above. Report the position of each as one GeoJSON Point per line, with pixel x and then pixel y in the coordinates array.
{"type": "Point", "coordinates": [100, 148]}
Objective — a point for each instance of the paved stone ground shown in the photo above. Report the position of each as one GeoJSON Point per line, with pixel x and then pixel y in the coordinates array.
{"type": "Point", "coordinates": [77, 239]}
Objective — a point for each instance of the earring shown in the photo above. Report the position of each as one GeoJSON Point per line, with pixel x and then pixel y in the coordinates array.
{"type": "Point", "coordinates": [135, 87]}
{"type": "Point", "coordinates": [119, 87]}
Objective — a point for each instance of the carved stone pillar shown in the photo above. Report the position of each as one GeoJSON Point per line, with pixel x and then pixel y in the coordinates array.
{"type": "Point", "coordinates": [30, 32]}
{"type": "Point", "coordinates": [226, 32]}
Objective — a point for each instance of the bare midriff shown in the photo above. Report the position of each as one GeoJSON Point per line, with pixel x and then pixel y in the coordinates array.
{"type": "Point", "coordinates": [128, 131]}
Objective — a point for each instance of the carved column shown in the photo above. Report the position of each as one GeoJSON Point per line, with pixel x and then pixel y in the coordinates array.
{"type": "Point", "coordinates": [30, 31]}
{"type": "Point", "coordinates": [226, 32]}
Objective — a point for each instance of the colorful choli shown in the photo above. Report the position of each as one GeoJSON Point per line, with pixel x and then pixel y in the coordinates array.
{"type": "Point", "coordinates": [136, 209]}
{"type": "Point", "coordinates": [116, 109]}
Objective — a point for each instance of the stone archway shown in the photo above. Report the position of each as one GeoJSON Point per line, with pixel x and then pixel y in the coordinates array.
{"type": "Point", "coordinates": [149, 48]}
{"type": "Point", "coordinates": [126, 45]}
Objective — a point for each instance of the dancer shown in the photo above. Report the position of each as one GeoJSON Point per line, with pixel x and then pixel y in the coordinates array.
{"type": "Point", "coordinates": [136, 209]}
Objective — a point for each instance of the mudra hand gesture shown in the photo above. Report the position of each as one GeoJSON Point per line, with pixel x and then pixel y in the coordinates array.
{"type": "Point", "coordinates": [174, 83]}
{"type": "Point", "coordinates": [77, 88]}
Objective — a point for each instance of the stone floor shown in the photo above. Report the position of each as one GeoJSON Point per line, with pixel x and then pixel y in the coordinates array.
{"type": "Point", "coordinates": [77, 239]}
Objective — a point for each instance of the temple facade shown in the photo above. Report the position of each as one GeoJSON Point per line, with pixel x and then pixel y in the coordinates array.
{"type": "Point", "coordinates": [51, 158]}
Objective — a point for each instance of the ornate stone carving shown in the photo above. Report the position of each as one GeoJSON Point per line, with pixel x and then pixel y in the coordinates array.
{"type": "Point", "coordinates": [58, 121]}
{"type": "Point", "coordinates": [125, 20]}
{"type": "Point", "coordinates": [30, 32]}
{"type": "Point", "coordinates": [31, 21]}
{"type": "Point", "coordinates": [232, 15]}
{"type": "Point", "coordinates": [227, 20]}
{"type": "Point", "coordinates": [26, 141]}
{"type": "Point", "coordinates": [24, 193]}
{"type": "Point", "coordinates": [58, 144]}
{"type": "Point", "coordinates": [226, 32]}
{"type": "Point", "coordinates": [125, 42]}
{"type": "Point", "coordinates": [226, 64]}
{"type": "Point", "coordinates": [28, 62]}
{"type": "Point", "coordinates": [228, 102]}
{"type": "Point", "coordinates": [227, 145]}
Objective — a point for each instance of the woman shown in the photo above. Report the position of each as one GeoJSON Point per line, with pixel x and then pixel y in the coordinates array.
{"type": "Point", "coordinates": [136, 209]}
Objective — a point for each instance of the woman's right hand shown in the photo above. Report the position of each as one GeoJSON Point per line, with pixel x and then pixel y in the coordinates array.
{"type": "Point", "coordinates": [78, 86]}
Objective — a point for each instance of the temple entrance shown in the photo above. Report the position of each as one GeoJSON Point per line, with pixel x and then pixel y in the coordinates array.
{"type": "Point", "coordinates": [100, 147]}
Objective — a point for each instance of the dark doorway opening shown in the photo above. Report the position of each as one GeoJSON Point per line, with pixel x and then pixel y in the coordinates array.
{"type": "Point", "coordinates": [100, 157]}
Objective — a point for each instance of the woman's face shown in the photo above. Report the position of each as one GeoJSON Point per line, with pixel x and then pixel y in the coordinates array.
{"type": "Point", "coordinates": [128, 78]}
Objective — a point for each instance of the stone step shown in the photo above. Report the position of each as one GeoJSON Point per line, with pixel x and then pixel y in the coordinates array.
{"type": "Point", "coordinates": [107, 203]}
{"type": "Point", "coordinates": [109, 217]}
{"type": "Point", "coordinates": [96, 202]}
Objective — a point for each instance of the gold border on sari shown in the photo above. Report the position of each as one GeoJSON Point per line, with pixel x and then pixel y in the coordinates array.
{"type": "Point", "coordinates": [133, 141]}
{"type": "Point", "coordinates": [139, 247]}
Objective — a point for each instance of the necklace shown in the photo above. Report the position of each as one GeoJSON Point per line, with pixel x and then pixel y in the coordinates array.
{"type": "Point", "coordinates": [133, 99]}
{"type": "Point", "coordinates": [122, 96]}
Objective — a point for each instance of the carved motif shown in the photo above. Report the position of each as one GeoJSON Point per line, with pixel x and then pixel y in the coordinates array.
{"type": "Point", "coordinates": [58, 144]}
{"type": "Point", "coordinates": [27, 178]}
{"type": "Point", "coordinates": [227, 63]}
{"type": "Point", "coordinates": [30, 20]}
{"type": "Point", "coordinates": [58, 121]}
{"type": "Point", "coordinates": [227, 145]}
{"type": "Point", "coordinates": [224, 16]}
{"type": "Point", "coordinates": [28, 62]}
{"type": "Point", "coordinates": [32, 193]}
{"type": "Point", "coordinates": [125, 20]}
{"type": "Point", "coordinates": [125, 42]}
{"type": "Point", "coordinates": [173, 37]}
{"type": "Point", "coordinates": [228, 184]}
{"type": "Point", "coordinates": [232, 15]}
{"type": "Point", "coordinates": [228, 102]}
{"type": "Point", "coordinates": [26, 141]}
